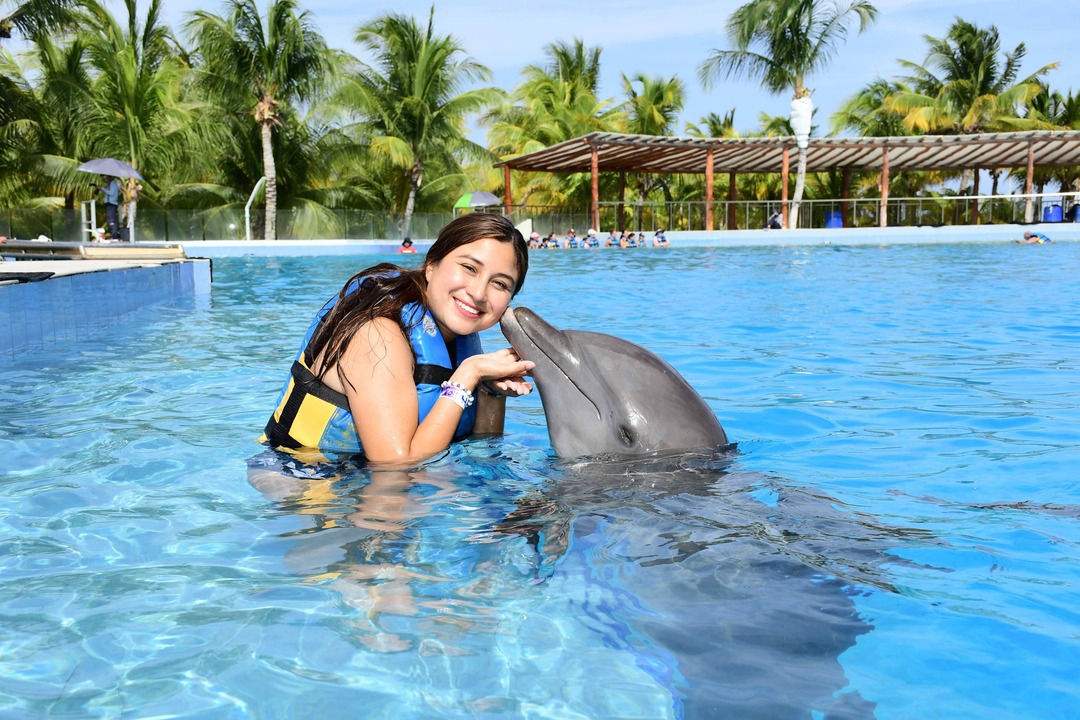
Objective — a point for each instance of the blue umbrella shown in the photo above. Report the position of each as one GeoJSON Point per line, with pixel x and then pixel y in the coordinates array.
{"type": "Point", "coordinates": [109, 166]}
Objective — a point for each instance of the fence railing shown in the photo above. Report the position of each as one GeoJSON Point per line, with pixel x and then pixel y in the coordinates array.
{"type": "Point", "coordinates": [862, 212]}
{"type": "Point", "coordinates": [228, 223]}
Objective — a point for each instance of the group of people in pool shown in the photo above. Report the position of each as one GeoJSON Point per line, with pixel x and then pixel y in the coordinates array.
{"type": "Point", "coordinates": [392, 368]}
{"type": "Point", "coordinates": [621, 239]}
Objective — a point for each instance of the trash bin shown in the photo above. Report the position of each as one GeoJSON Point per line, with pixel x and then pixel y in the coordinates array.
{"type": "Point", "coordinates": [834, 219]}
{"type": "Point", "coordinates": [1052, 213]}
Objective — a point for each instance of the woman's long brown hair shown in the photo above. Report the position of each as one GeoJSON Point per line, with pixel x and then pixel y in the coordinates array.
{"type": "Point", "coordinates": [386, 288]}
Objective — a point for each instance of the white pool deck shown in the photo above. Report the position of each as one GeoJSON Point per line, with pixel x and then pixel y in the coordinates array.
{"type": "Point", "coordinates": [80, 296]}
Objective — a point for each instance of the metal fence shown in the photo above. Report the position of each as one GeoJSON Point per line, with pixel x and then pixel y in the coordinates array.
{"type": "Point", "coordinates": [228, 224]}
{"type": "Point", "coordinates": [223, 224]}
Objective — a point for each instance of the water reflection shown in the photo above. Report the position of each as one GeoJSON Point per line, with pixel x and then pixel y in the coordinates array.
{"type": "Point", "coordinates": [687, 587]}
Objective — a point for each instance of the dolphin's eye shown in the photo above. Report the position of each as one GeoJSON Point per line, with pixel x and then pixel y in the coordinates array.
{"type": "Point", "coordinates": [626, 436]}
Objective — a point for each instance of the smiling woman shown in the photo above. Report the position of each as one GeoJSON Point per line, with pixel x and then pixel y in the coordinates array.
{"type": "Point", "coordinates": [390, 364]}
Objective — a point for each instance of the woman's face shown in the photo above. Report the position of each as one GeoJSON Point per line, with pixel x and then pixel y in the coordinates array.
{"type": "Point", "coordinates": [469, 289]}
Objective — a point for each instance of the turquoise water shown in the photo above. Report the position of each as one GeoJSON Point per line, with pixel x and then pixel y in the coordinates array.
{"type": "Point", "coordinates": [897, 535]}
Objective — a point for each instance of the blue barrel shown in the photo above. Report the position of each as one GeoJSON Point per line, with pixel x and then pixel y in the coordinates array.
{"type": "Point", "coordinates": [1052, 213]}
{"type": "Point", "coordinates": [834, 219]}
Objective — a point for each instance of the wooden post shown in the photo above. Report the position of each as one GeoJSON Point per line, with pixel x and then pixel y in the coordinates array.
{"type": "Point", "coordinates": [620, 224]}
{"type": "Point", "coordinates": [845, 193]}
{"type": "Point", "coordinates": [883, 213]}
{"type": "Point", "coordinates": [708, 189]}
{"type": "Point", "coordinates": [784, 170]}
{"type": "Point", "coordinates": [975, 200]}
{"type": "Point", "coordinates": [731, 196]}
{"type": "Point", "coordinates": [1028, 181]}
{"type": "Point", "coordinates": [595, 189]}
{"type": "Point", "coordinates": [508, 193]}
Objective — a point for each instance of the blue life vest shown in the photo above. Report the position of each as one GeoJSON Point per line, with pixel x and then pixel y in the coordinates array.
{"type": "Point", "coordinates": [311, 415]}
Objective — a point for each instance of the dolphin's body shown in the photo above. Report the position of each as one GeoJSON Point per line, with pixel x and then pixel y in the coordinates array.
{"type": "Point", "coordinates": [743, 582]}
{"type": "Point", "coordinates": [604, 395]}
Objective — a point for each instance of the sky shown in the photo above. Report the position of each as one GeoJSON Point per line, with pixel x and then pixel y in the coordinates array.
{"type": "Point", "coordinates": [673, 37]}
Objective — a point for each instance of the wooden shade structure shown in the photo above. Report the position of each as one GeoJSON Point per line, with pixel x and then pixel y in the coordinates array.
{"type": "Point", "coordinates": [613, 152]}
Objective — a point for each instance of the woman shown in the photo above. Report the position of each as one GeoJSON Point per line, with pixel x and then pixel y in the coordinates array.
{"type": "Point", "coordinates": [392, 365]}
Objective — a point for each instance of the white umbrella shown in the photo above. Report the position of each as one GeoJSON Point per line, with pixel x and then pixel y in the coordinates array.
{"type": "Point", "coordinates": [109, 166]}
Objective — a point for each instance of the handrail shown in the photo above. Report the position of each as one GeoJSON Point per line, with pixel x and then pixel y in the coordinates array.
{"type": "Point", "coordinates": [247, 208]}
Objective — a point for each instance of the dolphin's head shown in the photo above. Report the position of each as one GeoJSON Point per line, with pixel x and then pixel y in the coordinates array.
{"type": "Point", "coordinates": [604, 395]}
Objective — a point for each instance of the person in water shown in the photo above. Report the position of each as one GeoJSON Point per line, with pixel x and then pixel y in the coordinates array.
{"type": "Point", "coordinates": [406, 246]}
{"type": "Point", "coordinates": [1034, 237]}
{"type": "Point", "coordinates": [392, 366]}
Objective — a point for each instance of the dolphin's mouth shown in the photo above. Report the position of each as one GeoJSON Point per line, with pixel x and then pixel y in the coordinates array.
{"type": "Point", "coordinates": [518, 334]}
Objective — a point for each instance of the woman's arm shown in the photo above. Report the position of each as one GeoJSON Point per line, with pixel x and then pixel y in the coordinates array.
{"type": "Point", "coordinates": [378, 380]}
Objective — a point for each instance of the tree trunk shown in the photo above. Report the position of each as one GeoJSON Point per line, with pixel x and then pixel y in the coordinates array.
{"type": "Point", "coordinates": [270, 171]}
{"type": "Point", "coordinates": [965, 178]}
{"type": "Point", "coordinates": [415, 177]}
{"type": "Point", "coordinates": [800, 183]}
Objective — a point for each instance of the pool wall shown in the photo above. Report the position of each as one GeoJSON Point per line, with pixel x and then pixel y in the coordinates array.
{"type": "Point", "coordinates": [85, 296]}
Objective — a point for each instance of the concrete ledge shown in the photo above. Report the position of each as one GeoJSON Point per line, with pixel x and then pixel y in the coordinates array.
{"type": "Point", "coordinates": [82, 296]}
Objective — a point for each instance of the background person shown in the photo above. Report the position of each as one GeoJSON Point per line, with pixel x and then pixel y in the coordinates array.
{"type": "Point", "coordinates": [406, 246]}
{"type": "Point", "coordinates": [1034, 238]}
{"type": "Point", "coordinates": [111, 189]}
{"type": "Point", "coordinates": [392, 367]}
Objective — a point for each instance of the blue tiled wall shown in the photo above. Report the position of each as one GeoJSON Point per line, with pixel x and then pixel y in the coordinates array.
{"type": "Point", "coordinates": [37, 315]}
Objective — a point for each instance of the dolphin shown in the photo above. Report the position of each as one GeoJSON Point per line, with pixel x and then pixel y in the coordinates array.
{"type": "Point", "coordinates": [603, 395]}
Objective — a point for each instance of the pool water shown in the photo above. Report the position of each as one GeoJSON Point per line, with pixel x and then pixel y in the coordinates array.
{"type": "Point", "coordinates": [897, 534]}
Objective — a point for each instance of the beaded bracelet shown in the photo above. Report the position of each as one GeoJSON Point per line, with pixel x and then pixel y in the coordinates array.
{"type": "Point", "coordinates": [457, 393]}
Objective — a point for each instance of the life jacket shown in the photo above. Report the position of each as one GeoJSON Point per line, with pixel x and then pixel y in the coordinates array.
{"type": "Point", "coordinates": [311, 415]}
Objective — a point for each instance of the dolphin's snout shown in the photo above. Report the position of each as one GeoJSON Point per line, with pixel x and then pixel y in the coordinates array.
{"type": "Point", "coordinates": [531, 336]}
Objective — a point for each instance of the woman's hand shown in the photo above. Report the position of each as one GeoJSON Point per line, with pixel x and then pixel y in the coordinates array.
{"type": "Point", "coordinates": [503, 370]}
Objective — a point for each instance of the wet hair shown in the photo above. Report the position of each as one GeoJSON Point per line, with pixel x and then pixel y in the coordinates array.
{"type": "Point", "coordinates": [384, 289]}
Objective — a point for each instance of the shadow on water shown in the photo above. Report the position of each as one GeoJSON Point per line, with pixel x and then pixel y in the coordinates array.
{"type": "Point", "coordinates": [676, 586]}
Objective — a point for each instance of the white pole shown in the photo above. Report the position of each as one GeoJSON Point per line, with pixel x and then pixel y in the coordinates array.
{"type": "Point", "coordinates": [247, 208]}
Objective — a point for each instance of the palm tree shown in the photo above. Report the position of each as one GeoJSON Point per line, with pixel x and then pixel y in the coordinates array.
{"type": "Point", "coordinates": [865, 113]}
{"type": "Point", "coordinates": [714, 126]}
{"type": "Point", "coordinates": [411, 103]}
{"type": "Point", "coordinates": [260, 66]}
{"type": "Point", "coordinates": [574, 64]}
{"type": "Point", "coordinates": [137, 113]}
{"type": "Point", "coordinates": [965, 87]}
{"type": "Point", "coordinates": [652, 106]}
{"type": "Point", "coordinates": [50, 105]}
{"type": "Point", "coordinates": [36, 17]}
{"type": "Point", "coordinates": [555, 102]}
{"type": "Point", "coordinates": [780, 43]}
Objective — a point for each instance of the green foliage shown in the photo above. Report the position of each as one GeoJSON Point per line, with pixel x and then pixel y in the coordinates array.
{"type": "Point", "coordinates": [410, 108]}
{"type": "Point", "coordinates": [966, 85]}
{"type": "Point", "coordinates": [781, 42]}
{"type": "Point", "coordinates": [259, 94]}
